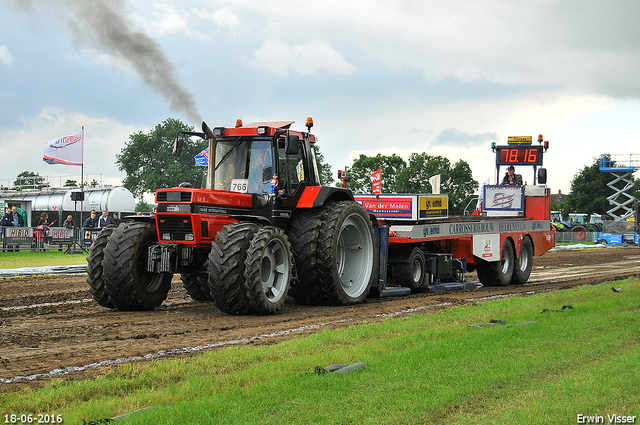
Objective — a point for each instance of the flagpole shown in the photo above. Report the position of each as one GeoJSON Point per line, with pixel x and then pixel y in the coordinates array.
{"type": "Point", "coordinates": [82, 172]}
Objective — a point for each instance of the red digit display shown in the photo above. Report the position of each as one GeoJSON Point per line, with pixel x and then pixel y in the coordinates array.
{"type": "Point", "coordinates": [521, 155]}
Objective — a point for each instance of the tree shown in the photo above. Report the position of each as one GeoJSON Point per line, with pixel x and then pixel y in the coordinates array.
{"type": "Point", "coordinates": [29, 180]}
{"type": "Point", "coordinates": [144, 206]}
{"type": "Point", "coordinates": [398, 177]}
{"type": "Point", "coordinates": [364, 166]}
{"type": "Point", "coordinates": [589, 190]}
{"type": "Point", "coordinates": [324, 169]}
{"type": "Point", "coordinates": [70, 183]}
{"type": "Point", "coordinates": [148, 162]}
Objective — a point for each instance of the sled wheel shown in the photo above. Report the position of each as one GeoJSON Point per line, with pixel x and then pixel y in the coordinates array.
{"type": "Point", "coordinates": [410, 273]}
{"type": "Point", "coordinates": [524, 264]}
{"type": "Point", "coordinates": [498, 273]}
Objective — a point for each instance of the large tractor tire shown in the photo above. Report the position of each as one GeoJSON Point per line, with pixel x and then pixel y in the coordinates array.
{"type": "Point", "coordinates": [346, 253]}
{"type": "Point", "coordinates": [498, 273]}
{"type": "Point", "coordinates": [94, 268]}
{"type": "Point", "coordinates": [268, 270]}
{"type": "Point", "coordinates": [524, 264]}
{"type": "Point", "coordinates": [579, 233]}
{"type": "Point", "coordinates": [303, 236]}
{"type": "Point", "coordinates": [127, 281]}
{"type": "Point", "coordinates": [227, 265]}
{"type": "Point", "coordinates": [196, 284]}
{"type": "Point", "coordinates": [411, 270]}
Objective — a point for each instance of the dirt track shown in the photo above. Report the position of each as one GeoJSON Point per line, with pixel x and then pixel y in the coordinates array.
{"type": "Point", "coordinates": [50, 323]}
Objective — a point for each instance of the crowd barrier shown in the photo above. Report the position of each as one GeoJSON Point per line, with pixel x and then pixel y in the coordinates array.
{"type": "Point", "coordinates": [39, 239]}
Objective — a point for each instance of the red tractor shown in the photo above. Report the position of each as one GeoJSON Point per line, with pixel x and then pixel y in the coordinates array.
{"type": "Point", "coordinates": [263, 227]}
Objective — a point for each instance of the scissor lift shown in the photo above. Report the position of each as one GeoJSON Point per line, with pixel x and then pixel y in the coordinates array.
{"type": "Point", "coordinates": [621, 166]}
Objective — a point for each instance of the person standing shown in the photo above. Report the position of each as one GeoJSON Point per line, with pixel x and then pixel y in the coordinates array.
{"type": "Point", "coordinates": [16, 221]}
{"type": "Point", "coordinates": [68, 223]}
{"type": "Point", "coordinates": [116, 219]}
{"type": "Point", "coordinates": [7, 220]}
{"type": "Point", "coordinates": [105, 220]}
{"type": "Point", "coordinates": [43, 232]}
{"type": "Point", "coordinates": [91, 221]}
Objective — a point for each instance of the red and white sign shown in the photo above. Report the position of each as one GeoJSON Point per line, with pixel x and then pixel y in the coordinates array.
{"type": "Point", "coordinates": [376, 181]}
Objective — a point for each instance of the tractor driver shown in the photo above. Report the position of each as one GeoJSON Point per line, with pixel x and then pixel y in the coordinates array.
{"type": "Point", "coordinates": [261, 167]}
{"type": "Point", "coordinates": [511, 178]}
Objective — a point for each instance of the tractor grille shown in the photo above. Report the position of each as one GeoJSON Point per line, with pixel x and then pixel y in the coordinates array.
{"type": "Point", "coordinates": [174, 196]}
{"type": "Point", "coordinates": [175, 228]}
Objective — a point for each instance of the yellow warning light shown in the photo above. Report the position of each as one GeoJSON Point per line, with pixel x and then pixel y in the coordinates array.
{"type": "Point", "coordinates": [540, 138]}
{"type": "Point", "coordinates": [238, 123]}
{"type": "Point", "coordinates": [309, 123]}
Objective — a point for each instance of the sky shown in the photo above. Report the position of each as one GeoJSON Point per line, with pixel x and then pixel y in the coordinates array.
{"type": "Point", "coordinates": [443, 77]}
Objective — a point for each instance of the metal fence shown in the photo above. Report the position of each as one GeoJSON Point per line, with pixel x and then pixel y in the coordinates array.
{"type": "Point", "coordinates": [575, 237]}
{"type": "Point", "coordinates": [53, 238]}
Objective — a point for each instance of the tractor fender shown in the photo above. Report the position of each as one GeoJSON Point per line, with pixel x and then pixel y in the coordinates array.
{"type": "Point", "coordinates": [317, 196]}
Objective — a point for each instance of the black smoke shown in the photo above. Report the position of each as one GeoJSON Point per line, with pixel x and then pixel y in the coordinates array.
{"type": "Point", "coordinates": [105, 26]}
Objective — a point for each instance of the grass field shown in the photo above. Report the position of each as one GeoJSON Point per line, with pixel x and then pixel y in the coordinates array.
{"type": "Point", "coordinates": [15, 260]}
{"type": "Point", "coordinates": [426, 368]}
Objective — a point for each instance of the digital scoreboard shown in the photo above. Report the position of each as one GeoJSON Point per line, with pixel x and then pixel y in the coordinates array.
{"type": "Point", "coordinates": [519, 155]}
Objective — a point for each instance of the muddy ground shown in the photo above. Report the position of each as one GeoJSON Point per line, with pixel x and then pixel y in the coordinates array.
{"type": "Point", "coordinates": [50, 326]}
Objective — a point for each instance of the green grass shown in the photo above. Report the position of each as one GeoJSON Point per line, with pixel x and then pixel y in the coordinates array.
{"type": "Point", "coordinates": [425, 368]}
{"type": "Point", "coordinates": [14, 260]}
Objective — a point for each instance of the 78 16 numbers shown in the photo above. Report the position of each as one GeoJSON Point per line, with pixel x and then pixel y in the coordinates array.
{"type": "Point", "coordinates": [41, 418]}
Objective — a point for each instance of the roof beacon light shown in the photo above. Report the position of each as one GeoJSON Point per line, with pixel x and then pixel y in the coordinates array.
{"type": "Point", "coordinates": [540, 138]}
{"type": "Point", "coordinates": [493, 146]}
{"type": "Point", "coordinates": [546, 145]}
{"type": "Point", "coordinates": [238, 123]}
{"type": "Point", "coordinates": [309, 123]}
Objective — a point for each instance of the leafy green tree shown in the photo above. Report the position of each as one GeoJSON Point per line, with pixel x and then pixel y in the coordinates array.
{"type": "Point", "coordinates": [29, 180]}
{"type": "Point", "coordinates": [144, 206]}
{"type": "Point", "coordinates": [589, 190]}
{"type": "Point", "coordinates": [70, 183]}
{"type": "Point", "coordinates": [149, 165]}
{"type": "Point", "coordinates": [364, 166]}
{"type": "Point", "coordinates": [324, 169]}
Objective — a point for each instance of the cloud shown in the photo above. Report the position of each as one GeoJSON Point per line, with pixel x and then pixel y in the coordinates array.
{"type": "Point", "coordinates": [194, 23]}
{"type": "Point", "coordinates": [455, 137]}
{"type": "Point", "coordinates": [5, 56]}
{"type": "Point", "coordinates": [315, 57]}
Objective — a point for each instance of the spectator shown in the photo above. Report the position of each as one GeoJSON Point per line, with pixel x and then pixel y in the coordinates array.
{"type": "Point", "coordinates": [42, 232]}
{"type": "Point", "coordinates": [92, 221]}
{"type": "Point", "coordinates": [116, 219]}
{"type": "Point", "coordinates": [18, 221]}
{"type": "Point", "coordinates": [105, 220]}
{"type": "Point", "coordinates": [68, 223]}
{"type": "Point", "coordinates": [7, 218]}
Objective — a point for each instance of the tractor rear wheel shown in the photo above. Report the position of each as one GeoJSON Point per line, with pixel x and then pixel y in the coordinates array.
{"type": "Point", "coordinates": [346, 253]}
{"type": "Point", "coordinates": [268, 270]}
{"type": "Point", "coordinates": [303, 236]}
{"type": "Point", "coordinates": [127, 281]}
{"type": "Point", "coordinates": [498, 273]}
{"type": "Point", "coordinates": [524, 264]}
{"type": "Point", "coordinates": [579, 233]}
{"type": "Point", "coordinates": [226, 267]}
{"type": "Point", "coordinates": [94, 268]}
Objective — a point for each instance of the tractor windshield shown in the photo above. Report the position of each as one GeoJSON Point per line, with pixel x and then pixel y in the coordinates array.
{"type": "Point", "coordinates": [243, 165]}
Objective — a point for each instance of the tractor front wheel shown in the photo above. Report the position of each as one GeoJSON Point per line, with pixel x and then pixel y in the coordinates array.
{"type": "Point", "coordinates": [268, 270]}
{"type": "Point", "coordinates": [127, 281]}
